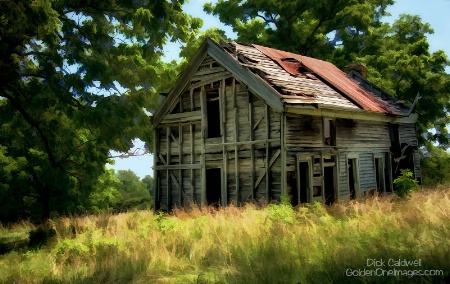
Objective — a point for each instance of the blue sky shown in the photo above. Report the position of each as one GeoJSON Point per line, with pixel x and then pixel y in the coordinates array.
{"type": "Point", "coordinates": [434, 12]}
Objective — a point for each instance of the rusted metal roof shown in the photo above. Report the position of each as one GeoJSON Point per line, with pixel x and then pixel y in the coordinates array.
{"type": "Point", "coordinates": [305, 80]}
{"type": "Point", "coordinates": [329, 73]}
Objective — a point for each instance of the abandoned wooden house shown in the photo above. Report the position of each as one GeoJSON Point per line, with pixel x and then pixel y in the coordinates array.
{"type": "Point", "coordinates": [246, 122]}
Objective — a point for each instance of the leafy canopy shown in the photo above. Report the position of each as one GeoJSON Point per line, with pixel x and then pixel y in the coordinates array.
{"type": "Point", "coordinates": [75, 77]}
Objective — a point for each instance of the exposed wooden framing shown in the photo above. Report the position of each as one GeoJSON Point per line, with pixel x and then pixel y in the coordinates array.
{"type": "Point", "coordinates": [236, 138]}
{"type": "Point", "coordinates": [191, 134]}
{"type": "Point", "coordinates": [266, 160]}
{"type": "Point", "coordinates": [249, 136]}
{"type": "Point", "coordinates": [283, 155]}
{"type": "Point", "coordinates": [224, 186]}
{"type": "Point", "coordinates": [178, 166]}
{"type": "Point", "coordinates": [246, 142]}
{"type": "Point", "coordinates": [203, 141]}
{"type": "Point", "coordinates": [156, 173]}
{"type": "Point", "coordinates": [167, 163]}
{"type": "Point", "coordinates": [340, 113]}
{"type": "Point", "coordinates": [269, 165]}
{"type": "Point", "coordinates": [219, 77]}
{"type": "Point", "coordinates": [252, 146]}
{"type": "Point", "coordinates": [180, 160]}
{"type": "Point", "coordinates": [183, 117]}
{"type": "Point", "coordinates": [257, 85]}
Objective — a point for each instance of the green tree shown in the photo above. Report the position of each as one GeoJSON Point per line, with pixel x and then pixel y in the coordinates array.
{"type": "Point", "coordinates": [75, 77]}
{"type": "Point", "coordinates": [134, 192]}
{"type": "Point", "coordinates": [149, 182]}
{"type": "Point", "coordinates": [298, 26]}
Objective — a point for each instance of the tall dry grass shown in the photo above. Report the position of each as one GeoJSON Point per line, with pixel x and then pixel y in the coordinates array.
{"type": "Point", "coordinates": [275, 244]}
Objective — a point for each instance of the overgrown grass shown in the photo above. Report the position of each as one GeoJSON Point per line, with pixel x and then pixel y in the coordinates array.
{"type": "Point", "coordinates": [275, 244]}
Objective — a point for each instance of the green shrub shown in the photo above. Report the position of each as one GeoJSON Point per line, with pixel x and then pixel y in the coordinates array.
{"type": "Point", "coordinates": [405, 183]}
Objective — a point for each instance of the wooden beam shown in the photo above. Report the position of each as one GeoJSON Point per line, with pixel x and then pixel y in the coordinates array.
{"type": "Point", "coordinates": [178, 166]}
{"type": "Point", "coordinates": [182, 117]}
{"type": "Point", "coordinates": [191, 134]}
{"type": "Point", "coordinates": [283, 155]}
{"type": "Point", "coordinates": [265, 172]}
{"type": "Point", "coordinates": [245, 142]}
{"type": "Point", "coordinates": [252, 146]}
{"type": "Point", "coordinates": [167, 171]}
{"type": "Point", "coordinates": [156, 191]}
{"type": "Point", "coordinates": [355, 114]}
{"type": "Point", "coordinates": [257, 85]}
{"type": "Point", "coordinates": [202, 147]}
{"type": "Point", "coordinates": [266, 115]}
{"type": "Point", "coordinates": [236, 138]}
{"type": "Point", "coordinates": [223, 127]}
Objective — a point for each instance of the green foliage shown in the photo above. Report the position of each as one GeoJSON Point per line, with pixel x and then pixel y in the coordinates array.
{"type": "Point", "coordinates": [75, 78]}
{"type": "Point", "coordinates": [405, 183]}
{"type": "Point", "coordinates": [435, 167]}
{"type": "Point", "coordinates": [134, 192]}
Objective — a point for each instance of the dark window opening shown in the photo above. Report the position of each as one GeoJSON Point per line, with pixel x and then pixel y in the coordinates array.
{"type": "Point", "coordinates": [317, 191]}
{"type": "Point", "coordinates": [213, 186]}
{"type": "Point", "coordinates": [379, 175]}
{"type": "Point", "coordinates": [329, 185]}
{"type": "Point", "coordinates": [292, 188]}
{"type": "Point", "coordinates": [329, 132]}
{"type": "Point", "coordinates": [213, 112]}
{"type": "Point", "coordinates": [351, 166]}
{"type": "Point", "coordinates": [304, 181]}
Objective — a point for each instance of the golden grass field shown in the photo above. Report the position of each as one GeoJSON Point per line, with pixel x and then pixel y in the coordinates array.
{"type": "Point", "coordinates": [250, 244]}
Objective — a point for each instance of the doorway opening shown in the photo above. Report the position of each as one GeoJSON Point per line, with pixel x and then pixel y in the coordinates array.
{"type": "Point", "coordinates": [379, 174]}
{"type": "Point", "coordinates": [213, 186]}
{"type": "Point", "coordinates": [329, 185]}
{"type": "Point", "coordinates": [304, 181]}
{"type": "Point", "coordinates": [351, 166]}
{"type": "Point", "coordinates": [292, 187]}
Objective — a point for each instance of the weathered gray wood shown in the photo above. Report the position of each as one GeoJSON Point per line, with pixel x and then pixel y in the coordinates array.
{"type": "Point", "coordinates": [203, 141]}
{"type": "Point", "coordinates": [224, 186]}
{"type": "Point", "coordinates": [178, 166]}
{"type": "Point", "coordinates": [167, 171]}
{"type": "Point", "coordinates": [236, 137]}
{"type": "Point", "coordinates": [256, 84]}
{"type": "Point", "coordinates": [252, 147]}
{"type": "Point", "coordinates": [266, 115]}
{"type": "Point", "coordinates": [191, 134]}
{"type": "Point", "coordinates": [181, 117]}
{"type": "Point", "coordinates": [283, 155]}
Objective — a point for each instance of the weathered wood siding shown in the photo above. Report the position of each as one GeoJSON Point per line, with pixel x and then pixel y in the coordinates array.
{"type": "Point", "coordinates": [366, 172]}
{"type": "Point", "coordinates": [407, 133]}
{"type": "Point", "coordinates": [247, 151]}
{"type": "Point", "coordinates": [344, 190]}
{"type": "Point", "coordinates": [370, 134]}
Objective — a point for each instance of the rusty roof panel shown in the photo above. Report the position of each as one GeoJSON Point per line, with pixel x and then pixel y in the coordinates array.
{"type": "Point", "coordinates": [333, 76]}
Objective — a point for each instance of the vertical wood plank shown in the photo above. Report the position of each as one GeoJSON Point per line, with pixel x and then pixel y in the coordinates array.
{"type": "Point", "coordinates": [283, 154]}
{"type": "Point", "coordinates": [156, 191]}
{"type": "Point", "coordinates": [203, 141]}
{"type": "Point", "coordinates": [266, 113]}
{"type": "Point", "coordinates": [191, 129]}
{"type": "Point", "coordinates": [224, 185]}
{"type": "Point", "coordinates": [252, 146]}
{"type": "Point", "coordinates": [236, 138]}
{"type": "Point", "coordinates": [168, 171]}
